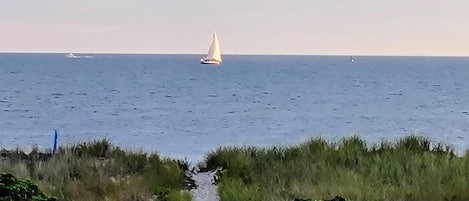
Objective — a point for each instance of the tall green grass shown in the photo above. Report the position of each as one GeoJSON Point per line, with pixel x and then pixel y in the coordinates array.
{"type": "Point", "coordinates": [411, 168]}
{"type": "Point", "coordinates": [100, 171]}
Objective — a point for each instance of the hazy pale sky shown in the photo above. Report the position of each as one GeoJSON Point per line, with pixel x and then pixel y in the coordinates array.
{"type": "Point", "coordinates": [318, 27]}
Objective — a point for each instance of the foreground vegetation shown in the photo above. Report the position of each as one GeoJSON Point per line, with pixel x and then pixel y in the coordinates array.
{"type": "Point", "coordinates": [99, 171]}
{"type": "Point", "coordinates": [12, 188]}
{"type": "Point", "coordinates": [412, 168]}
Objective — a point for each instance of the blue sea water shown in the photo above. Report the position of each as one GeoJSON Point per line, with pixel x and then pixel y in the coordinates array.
{"type": "Point", "coordinates": [172, 105]}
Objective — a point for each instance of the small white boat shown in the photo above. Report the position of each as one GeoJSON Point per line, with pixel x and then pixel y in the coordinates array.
{"type": "Point", "coordinates": [72, 56]}
{"type": "Point", "coordinates": [351, 59]}
{"type": "Point", "coordinates": [214, 54]}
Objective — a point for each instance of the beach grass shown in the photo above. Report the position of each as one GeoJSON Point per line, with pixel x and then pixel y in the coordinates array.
{"type": "Point", "coordinates": [410, 168]}
{"type": "Point", "coordinates": [100, 171]}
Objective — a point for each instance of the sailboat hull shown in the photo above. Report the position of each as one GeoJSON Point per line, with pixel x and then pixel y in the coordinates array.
{"type": "Point", "coordinates": [209, 61]}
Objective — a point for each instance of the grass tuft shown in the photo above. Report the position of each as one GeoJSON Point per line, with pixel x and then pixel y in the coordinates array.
{"type": "Point", "coordinates": [98, 170]}
{"type": "Point", "coordinates": [411, 168]}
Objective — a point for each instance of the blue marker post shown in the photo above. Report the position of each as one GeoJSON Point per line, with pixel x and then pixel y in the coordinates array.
{"type": "Point", "coordinates": [55, 142]}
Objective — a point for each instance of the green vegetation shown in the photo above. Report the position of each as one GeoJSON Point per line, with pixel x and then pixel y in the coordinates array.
{"type": "Point", "coordinates": [13, 189]}
{"type": "Point", "coordinates": [412, 168]}
{"type": "Point", "coordinates": [100, 171]}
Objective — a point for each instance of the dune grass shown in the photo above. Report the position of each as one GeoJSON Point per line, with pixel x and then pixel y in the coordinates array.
{"type": "Point", "coordinates": [100, 171]}
{"type": "Point", "coordinates": [411, 168]}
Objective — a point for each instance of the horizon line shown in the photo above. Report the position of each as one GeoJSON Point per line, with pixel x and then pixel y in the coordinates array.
{"type": "Point", "coordinates": [230, 54]}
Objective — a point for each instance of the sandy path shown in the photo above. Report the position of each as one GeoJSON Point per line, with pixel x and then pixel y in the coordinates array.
{"type": "Point", "coordinates": [206, 190]}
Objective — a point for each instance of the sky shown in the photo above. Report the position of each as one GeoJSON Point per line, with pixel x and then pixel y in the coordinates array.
{"type": "Point", "coordinates": [309, 27]}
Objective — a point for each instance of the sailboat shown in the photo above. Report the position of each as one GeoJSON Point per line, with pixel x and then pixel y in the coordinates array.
{"type": "Point", "coordinates": [214, 55]}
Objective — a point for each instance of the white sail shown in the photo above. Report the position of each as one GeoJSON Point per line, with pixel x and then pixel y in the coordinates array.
{"type": "Point", "coordinates": [214, 54]}
{"type": "Point", "coordinates": [214, 51]}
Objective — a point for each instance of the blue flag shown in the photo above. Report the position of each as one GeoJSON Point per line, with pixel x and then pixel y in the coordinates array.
{"type": "Point", "coordinates": [55, 142]}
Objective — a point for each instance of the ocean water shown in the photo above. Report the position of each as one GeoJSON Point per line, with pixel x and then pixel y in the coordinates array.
{"type": "Point", "coordinates": [172, 105]}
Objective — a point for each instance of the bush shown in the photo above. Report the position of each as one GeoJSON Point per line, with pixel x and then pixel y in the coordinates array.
{"type": "Point", "coordinates": [12, 188]}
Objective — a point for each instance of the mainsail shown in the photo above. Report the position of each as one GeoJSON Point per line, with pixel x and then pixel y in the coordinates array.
{"type": "Point", "coordinates": [214, 51]}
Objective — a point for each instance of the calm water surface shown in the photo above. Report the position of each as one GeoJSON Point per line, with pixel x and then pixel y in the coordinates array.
{"type": "Point", "coordinates": [175, 106]}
